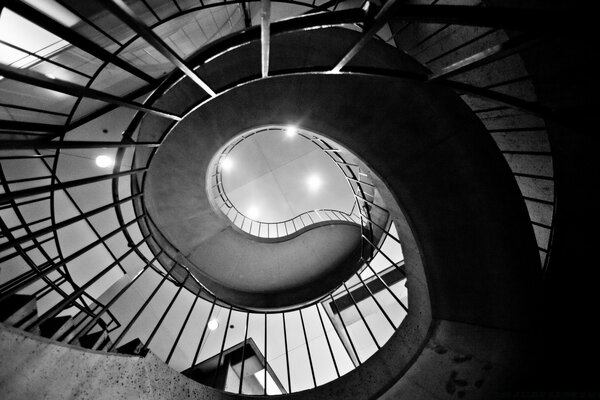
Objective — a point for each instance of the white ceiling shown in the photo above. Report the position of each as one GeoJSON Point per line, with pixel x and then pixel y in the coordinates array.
{"type": "Point", "coordinates": [269, 178]}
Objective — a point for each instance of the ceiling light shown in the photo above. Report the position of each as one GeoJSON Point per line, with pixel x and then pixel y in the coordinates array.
{"type": "Point", "coordinates": [252, 212]}
{"type": "Point", "coordinates": [314, 182]}
{"type": "Point", "coordinates": [213, 324]}
{"type": "Point", "coordinates": [226, 164]}
{"type": "Point", "coordinates": [291, 131]}
{"type": "Point", "coordinates": [50, 76]}
{"type": "Point", "coordinates": [104, 161]}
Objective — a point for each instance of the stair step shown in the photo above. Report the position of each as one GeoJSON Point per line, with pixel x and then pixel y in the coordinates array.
{"type": "Point", "coordinates": [104, 346]}
{"type": "Point", "coordinates": [57, 327]}
{"type": "Point", "coordinates": [93, 340]}
{"type": "Point", "coordinates": [17, 309]}
{"type": "Point", "coordinates": [134, 347]}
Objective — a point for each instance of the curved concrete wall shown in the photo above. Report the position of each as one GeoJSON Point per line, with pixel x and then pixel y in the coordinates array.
{"type": "Point", "coordinates": [234, 266]}
{"type": "Point", "coordinates": [471, 228]}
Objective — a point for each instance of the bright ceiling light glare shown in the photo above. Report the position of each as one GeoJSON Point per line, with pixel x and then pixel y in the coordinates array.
{"type": "Point", "coordinates": [252, 212]}
{"type": "Point", "coordinates": [104, 161]}
{"type": "Point", "coordinates": [50, 76]}
{"type": "Point", "coordinates": [314, 182]}
{"type": "Point", "coordinates": [213, 324]}
{"type": "Point", "coordinates": [226, 164]}
{"type": "Point", "coordinates": [291, 131]}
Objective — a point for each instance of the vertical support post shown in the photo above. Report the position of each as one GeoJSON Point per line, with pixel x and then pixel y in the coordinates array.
{"type": "Point", "coordinates": [362, 317]}
{"type": "Point", "coordinates": [337, 371]}
{"type": "Point", "coordinates": [265, 35]}
{"type": "Point", "coordinates": [222, 347]}
{"type": "Point", "coordinates": [212, 307]}
{"type": "Point", "coordinates": [244, 354]}
{"type": "Point", "coordinates": [345, 329]}
{"type": "Point", "coordinates": [187, 317]}
{"type": "Point", "coordinates": [376, 301]}
{"type": "Point", "coordinates": [160, 321]}
{"type": "Point", "coordinates": [312, 370]}
{"type": "Point", "coordinates": [266, 363]}
{"type": "Point", "coordinates": [142, 308]}
{"type": "Point", "coordinates": [287, 358]}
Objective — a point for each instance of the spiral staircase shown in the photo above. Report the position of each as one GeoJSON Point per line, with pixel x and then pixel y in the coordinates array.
{"type": "Point", "coordinates": [438, 285]}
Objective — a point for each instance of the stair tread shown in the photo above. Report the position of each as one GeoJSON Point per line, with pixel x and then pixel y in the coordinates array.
{"type": "Point", "coordinates": [17, 308]}
{"type": "Point", "coordinates": [56, 327]}
{"type": "Point", "coordinates": [92, 340]}
{"type": "Point", "coordinates": [134, 347]}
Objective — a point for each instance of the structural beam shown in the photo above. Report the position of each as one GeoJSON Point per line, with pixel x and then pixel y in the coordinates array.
{"type": "Point", "coordinates": [58, 85]}
{"type": "Point", "coordinates": [39, 145]}
{"type": "Point", "coordinates": [110, 107]}
{"type": "Point", "coordinates": [23, 126]}
{"type": "Point", "coordinates": [501, 98]}
{"type": "Point", "coordinates": [7, 197]}
{"type": "Point", "coordinates": [126, 14]}
{"type": "Point", "coordinates": [487, 56]}
{"type": "Point", "coordinates": [54, 266]}
{"type": "Point", "coordinates": [71, 36]}
{"type": "Point", "coordinates": [380, 20]}
{"type": "Point", "coordinates": [247, 18]}
{"type": "Point", "coordinates": [50, 229]}
{"type": "Point", "coordinates": [493, 17]}
{"type": "Point", "coordinates": [265, 35]}
{"type": "Point", "coordinates": [307, 21]}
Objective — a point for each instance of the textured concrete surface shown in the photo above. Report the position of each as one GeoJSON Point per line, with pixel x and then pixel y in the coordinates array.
{"type": "Point", "coordinates": [461, 202]}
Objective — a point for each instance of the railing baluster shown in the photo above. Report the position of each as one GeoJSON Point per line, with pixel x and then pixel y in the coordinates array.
{"type": "Point", "coordinates": [112, 301]}
{"type": "Point", "coordinates": [327, 339]}
{"type": "Point", "coordinates": [212, 307]}
{"type": "Point", "coordinates": [222, 347]}
{"type": "Point", "coordinates": [187, 317]}
{"type": "Point", "coordinates": [387, 317]}
{"type": "Point", "coordinates": [160, 321]}
{"type": "Point", "coordinates": [244, 354]}
{"type": "Point", "coordinates": [73, 296]}
{"type": "Point", "coordinates": [266, 362]}
{"type": "Point", "coordinates": [312, 370]}
{"type": "Point", "coordinates": [287, 356]}
{"type": "Point", "coordinates": [361, 316]}
{"type": "Point", "coordinates": [139, 312]}
{"type": "Point", "coordinates": [345, 329]}
{"type": "Point", "coordinates": [387, 286]}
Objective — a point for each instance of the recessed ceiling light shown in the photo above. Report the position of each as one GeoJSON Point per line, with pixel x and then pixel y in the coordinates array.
{"type": "Point", "coordinates": [291, 131]}
{"type": "Point", "coordinates": [104, 161]}
{"type": "Point", "coordinates": [226, 164]}
{"type": "Point", "coordinates": [252, 212]}
{"type": "Point", "coordinates": [314, 182]}
{"type": "Point", "coordinates": [213, 324]}
{"type": "Point", "coordinates": [50, 76]}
